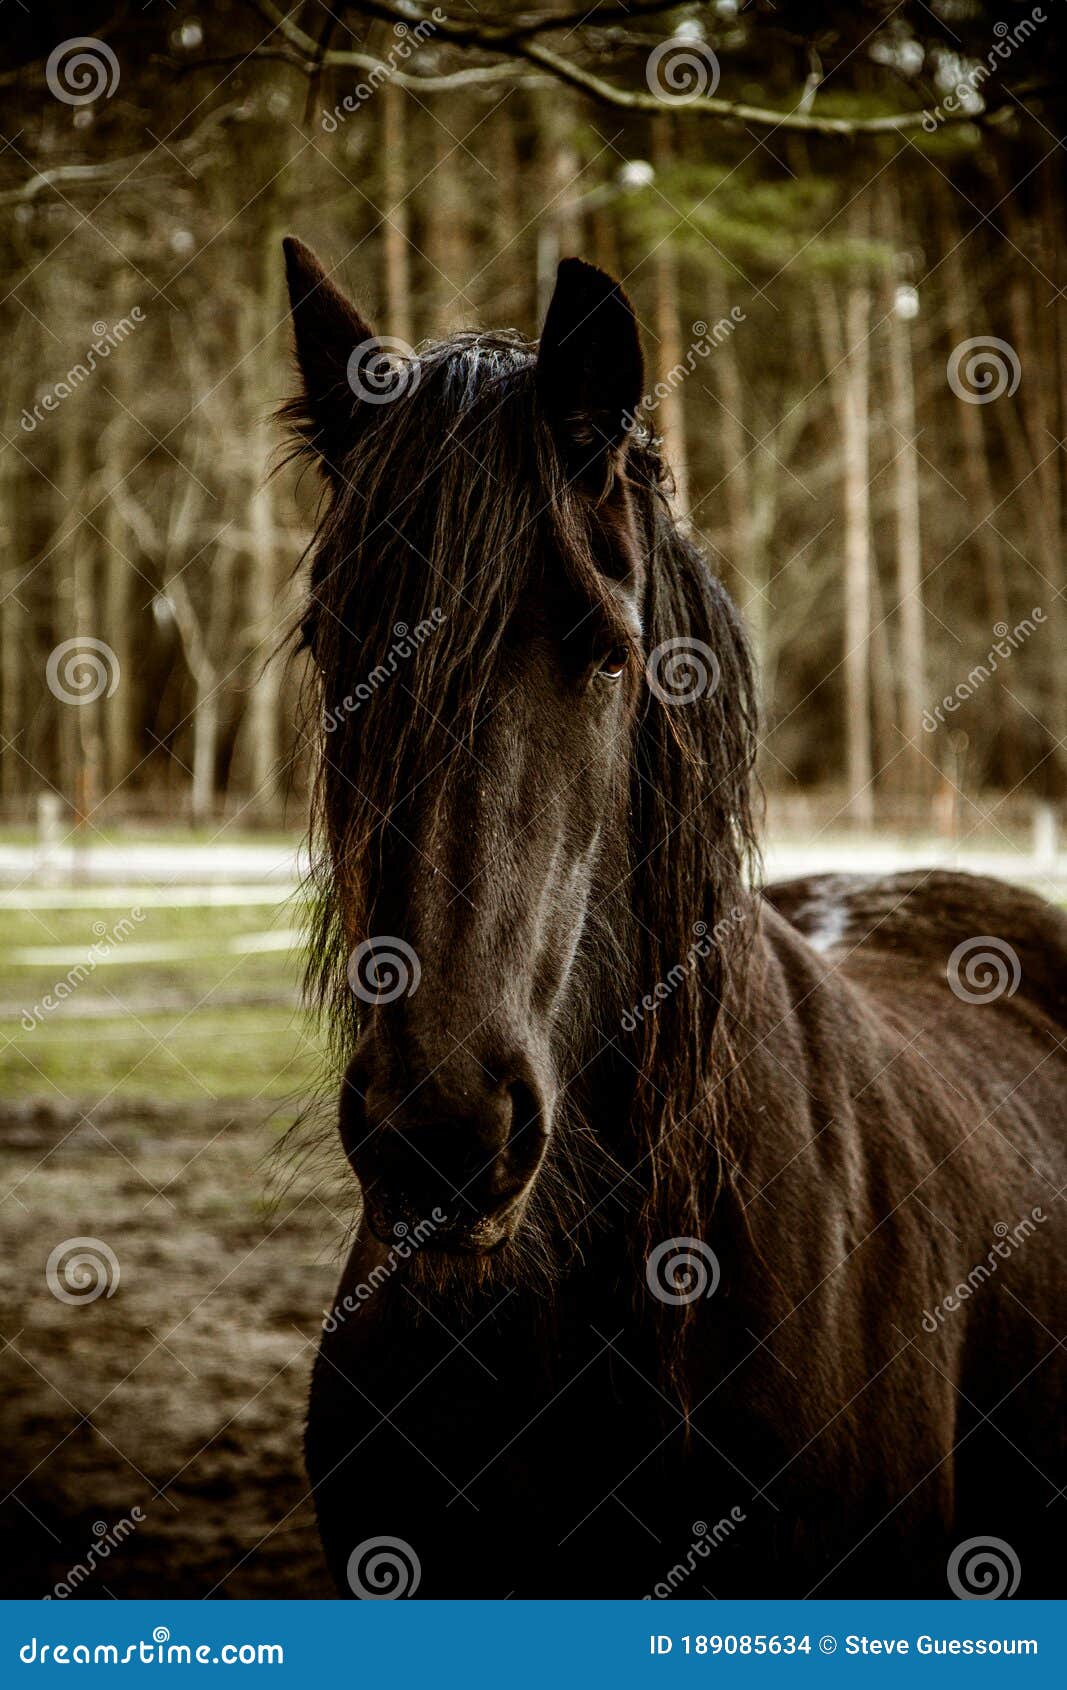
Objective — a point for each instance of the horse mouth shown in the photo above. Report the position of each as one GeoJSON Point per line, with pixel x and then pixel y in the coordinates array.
{"type": "Point", "coordinates": [476, 1235]}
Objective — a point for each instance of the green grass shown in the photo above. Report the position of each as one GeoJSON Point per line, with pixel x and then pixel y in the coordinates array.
{"type": "Point", "coordinates": [230, 1055]}
{"type": "Point", "coordinates": [159, 1029]}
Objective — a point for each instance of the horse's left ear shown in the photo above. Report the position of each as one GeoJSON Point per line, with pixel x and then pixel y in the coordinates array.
{"type": "Point", "coordinates": [327, 328]}
{"type": "Point", "coordinates": [589, 368]}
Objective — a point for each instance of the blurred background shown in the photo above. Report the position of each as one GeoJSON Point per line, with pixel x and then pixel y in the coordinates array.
{"type": "Point", "coordinates": [842, 230]}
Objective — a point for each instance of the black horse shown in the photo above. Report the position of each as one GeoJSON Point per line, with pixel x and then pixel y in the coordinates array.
{"type": "Point", "coordinates": [709, 1241]}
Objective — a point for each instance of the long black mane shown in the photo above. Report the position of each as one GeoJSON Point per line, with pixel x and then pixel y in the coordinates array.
{"type": "Point", "coordinates": [451, 503]}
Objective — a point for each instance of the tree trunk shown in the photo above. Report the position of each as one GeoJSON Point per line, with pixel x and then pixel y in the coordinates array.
{"type": "Point", "coordinates": [856, 469]}
{"type": "Point", "coordinates": [980, 504]}
{"type": "Point", "coordinates": [12, 633]}
{"type": "Point", "coordinates": [747, 568]}
{"type": "Point", "coordinates": [844, 330]}
{"type": "Point", "coordinates": [670, 350]}
{"type": "Point", "coordinates": [205, 745]}
{"type": "Point", "coordinates": [396, 236]}
{"type": "Point", "coordinates": [911, 659]}
{"type": "Point", "coordinates": [119, 573]}
{"type": "Point", "coordinates": [448, 199]}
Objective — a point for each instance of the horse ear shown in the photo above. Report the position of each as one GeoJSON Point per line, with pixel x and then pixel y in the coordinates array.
{"type": "Point", "coordinates": [589, 368]}
{"type": "Point", "coordinates": [327, 328]}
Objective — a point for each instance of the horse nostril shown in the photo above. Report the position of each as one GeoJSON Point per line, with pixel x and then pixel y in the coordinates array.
{"type": "Point", "coordinates": [525, 1111]}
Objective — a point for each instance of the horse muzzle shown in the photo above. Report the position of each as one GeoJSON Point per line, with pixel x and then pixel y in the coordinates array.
{"type": "Point", "coordinates": [453, 1174]}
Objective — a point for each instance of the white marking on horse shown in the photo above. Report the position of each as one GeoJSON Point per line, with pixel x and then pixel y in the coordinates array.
{"type": "Point", "coordinates": [823, 919]}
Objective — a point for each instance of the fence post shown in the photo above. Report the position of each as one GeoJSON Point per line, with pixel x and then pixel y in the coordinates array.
{"type": "Point", "coordinates": [1046, 842]}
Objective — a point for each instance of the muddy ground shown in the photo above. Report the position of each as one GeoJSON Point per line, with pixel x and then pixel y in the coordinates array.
{"type": "Point", "coordinates": [180, 1396]}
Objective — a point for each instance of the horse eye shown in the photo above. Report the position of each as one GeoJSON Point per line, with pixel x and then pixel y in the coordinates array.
{"type": "Point", "coordinates": [614, 663]}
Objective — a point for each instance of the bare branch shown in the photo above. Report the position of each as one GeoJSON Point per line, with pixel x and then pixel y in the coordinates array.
{"type": "Point", "coordinates": [116, 170]}
{"type": "Point", "coordinates": [518, 43]}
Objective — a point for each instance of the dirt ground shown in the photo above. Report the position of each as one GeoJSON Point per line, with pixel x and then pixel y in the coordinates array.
{"type": "Point", "coordinates": [181, 1394]}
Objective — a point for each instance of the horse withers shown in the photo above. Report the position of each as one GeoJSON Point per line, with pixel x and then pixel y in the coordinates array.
{"type": "Point", "coordinates": [709, 1241]}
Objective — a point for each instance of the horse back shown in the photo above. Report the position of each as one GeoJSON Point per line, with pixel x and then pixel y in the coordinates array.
{"type": "Point", "coordinates": [985, 939]}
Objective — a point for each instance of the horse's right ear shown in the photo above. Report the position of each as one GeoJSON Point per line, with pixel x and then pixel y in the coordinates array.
{"type": "Point", "coordinates": [589, 369]}
{"type": "Point", "coordinates": [327, 328]}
